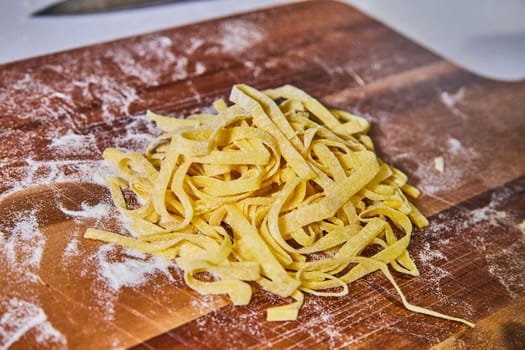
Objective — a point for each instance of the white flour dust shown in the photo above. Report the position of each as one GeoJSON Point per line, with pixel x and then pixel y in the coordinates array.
{"type": "Point", "coordinates": [118, 268]}
{"type": "Point", "coordinates": [149, 60]}
{"type": "Point", "coordinates": [323, 327]}
{"type": "Point", "coordinates": [20, 317]}
{"type": "Point", "coordinates": [478, 228]}
{"type": "Point", "coordinates": [77, 158]}
{"type": "Point", "coordinates": [452, 100]}
{"type": "Point", "coordinates": [74, 159]}
{"type": "Point", "coordinates": [74, 143]}
{"type": "Point", "coordinates": [456, 157]}
{"type": "Point", "coordinates": [115, 95]}
{"type": "Point", "coordinates": [428, 255]}
{"type": "Point", "coordinates": [430, 258]}
{"type": "Point", "coordinates": [239, 35]}
{"type": "Point", "coordinates": [508, 266]}
{"type": "Point", "coordinates": [87, 211]}
{"type": "Point", "coordinates": [38, 172]}
{"type": "Point", "coordinates": [71, 248]}
{"type": "Point", "coordinates": [134, 269]}
{"type": "Point", "coordinates": [489, 215]}
{"type": "Point", "coordinates": [23, 246]}
{"type": "Point", "coordinates": [455, 146]}
{"type": "Point", "coordinates": [138, 134]}
{"type": "Point", "coordinates": [13, 98]}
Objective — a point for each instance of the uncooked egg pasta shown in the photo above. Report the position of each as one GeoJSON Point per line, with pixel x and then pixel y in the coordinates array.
{"type": "Point", "coordinates": [275, 190]}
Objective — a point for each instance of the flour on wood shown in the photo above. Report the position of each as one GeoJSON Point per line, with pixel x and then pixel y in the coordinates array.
{"type": "Point", "coordinates": [452, 160]}
{"type": "Point", "coordinates": [239, 35]}
{"type": "Point", "coordinates": [22, 245]}
{"type": "Point", "coordinates": [20, 317]}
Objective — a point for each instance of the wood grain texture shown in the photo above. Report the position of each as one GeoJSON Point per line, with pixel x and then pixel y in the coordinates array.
{"type": "Point", "coordinates": [421, 107]}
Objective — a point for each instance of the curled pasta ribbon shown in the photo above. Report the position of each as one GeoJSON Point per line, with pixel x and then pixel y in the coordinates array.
{"type": "Point", "coordinates": [274, 190]}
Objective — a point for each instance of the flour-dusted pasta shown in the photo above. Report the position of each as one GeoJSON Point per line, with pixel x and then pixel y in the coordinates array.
{"type": "Point", "coordinates": [275, 190]}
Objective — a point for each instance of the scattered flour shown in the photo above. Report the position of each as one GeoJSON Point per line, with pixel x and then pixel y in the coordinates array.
{"type": "Point", "coordinates": [117, 268]}
{"type": "Point", "coordinates": [430, 257]}
{"type": "Point", "coordinates": [75, 158]}
{"type": "Point", "coordinates": [479, 228]}
{"type": "Point", "coordinates": [508, 266]}
{"type": "Point", "coordinates": [146, 60]}
{"type": "Point", "coordinates": [195, 43]}
{"type": "Point", "coordinates": [455, 146]}
{"type": "Point", "coordinates": [486, 213]}
{"type": "Point", "coordinates": [23, 246]}
{"type": "Point", "coordinates": [135, 269]}
{"type": "Point", "coordinates": [199, 68]}
{"type": "Point", "coordinates": [139, 132]}
{"type": "Point", "coordinates": [96, 211]}
{"type": "Point", "coordinates": [450, 100]}
{"type": "Point", "coordinates": [72, 142]}
{"type": "Point", "coordinates": [326, 322]}
{"type": "Point", "coordinates": [453, 158]}
{"type": "Point", "coordinates": [239, 35]}
{"type": "Point", "coordinates": [71, 248]}
{"type": "Point", "coordinates": [114, 94]}
{"type": "Point", "coordinates": [489, 214]}
{"type": "Point", "coordinates": [21, 317]}
{"type": "Point", "coordinates": [427, 254]}
{"type": "Point", "coordinates": [37, 172]}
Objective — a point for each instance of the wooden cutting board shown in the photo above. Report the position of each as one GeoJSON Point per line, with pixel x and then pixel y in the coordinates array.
{"type": "Point", "coordinates": [59, 112]}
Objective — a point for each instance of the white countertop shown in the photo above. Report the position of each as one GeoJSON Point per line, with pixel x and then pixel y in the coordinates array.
{"type": "Point", "coordinates": [484, 36]}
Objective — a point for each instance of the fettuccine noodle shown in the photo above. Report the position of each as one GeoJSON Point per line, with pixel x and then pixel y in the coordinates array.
{"type": "Point", "coordinates": [275, 190]}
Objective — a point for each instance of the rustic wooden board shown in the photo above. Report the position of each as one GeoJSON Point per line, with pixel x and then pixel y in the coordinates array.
{"type": "Point", "coordinates": [59, 112]}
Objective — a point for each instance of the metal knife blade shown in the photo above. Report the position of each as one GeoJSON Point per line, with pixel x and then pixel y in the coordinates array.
{"type": "Point", "coordinates": [77, 7]}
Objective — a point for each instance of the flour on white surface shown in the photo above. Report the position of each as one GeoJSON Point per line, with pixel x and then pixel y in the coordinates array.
{"type": "Point", "coordinates": [20, 317]}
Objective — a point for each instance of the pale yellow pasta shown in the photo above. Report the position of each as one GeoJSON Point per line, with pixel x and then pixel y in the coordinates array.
{"type": "Point", "coordinates": [288, 196]}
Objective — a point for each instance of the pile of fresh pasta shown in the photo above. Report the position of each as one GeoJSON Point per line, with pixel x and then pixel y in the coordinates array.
{"type": "Point", "coordinates": [275, 190]}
